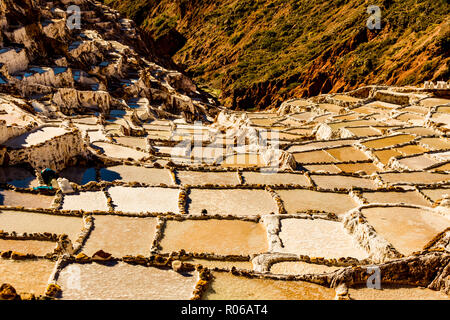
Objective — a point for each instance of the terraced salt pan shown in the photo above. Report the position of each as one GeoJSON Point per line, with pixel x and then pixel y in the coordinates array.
{"type": "Point", "coordinates": [353, 123]}
{"type": "Point", "coordinates": [330, 107]}
{"type": "Point", "coordinates": [414, 177]}
{"type": "Point", "coordinates": [79, 175]}
{"type": "Point", "coordinates": [243, 160]}
{"type": "Point", "coordinates": [164, 135]}
{"type": "Point", "coordinates": [417, 131]}
{"type": "Point", "coordinates": [389, 141]}
{"type": "Point", "coordinates": [342, 182]}
{"type": "Point", "coordinates": [364, 132]}
{"type": "Point", "coordinates": [302, 200]}
{"type": "Point", "coordinates": [298, 131]}
{"type": "Point", "coordinates": [263, 122]}
{"type": "Point", "coordinates": [156, 127]}
{"type": "Point", "coordinates": [223, 237]}
{"type": "Point", "coordinates": [192, 131]}
{"type": "Point", "coordinates": [411, 117]}
{"type": "Point", "coordinates": [30, 222]}
{"type": "Point", "coordinates": [387, 129]}
{"type": "Point", "coordinates": [86, 201]}
{"type": "Point", "coordinates": [369, 110]}
{"type": "Point", "coordinates": [304, 116]}
{"type": "Point", "coordinates": [160, 122]}
{"type": "Point", "coordinates": [433, 102]}
{"type": "Point", "coordinates": [136, 200]}
{"type": "Point", "coordinates": [407, 197]}
{"type": "Point", "coordinates": [319, 145]}
{"type": "Point", "coordinates": [347, 117]}
{"type": "Point", "coordinates": [275, 178]}
{"type": "Point", "coordinates": [132, 142]}
{"type": "Point", "coordinates": [416, 109]}
{"type": "Point", "coordinates": [226, 286]}
{"type": "Point", "coordinates": [18, 177]}
{"type": "Point", "coordinates": [112, 129]}
{"type": "Point", "coordinates": [412, 149]}
{"type": "Point", "coordinates": [348, 154]}
{"type": "Point", "coordinates": [299, 267]}
{"type": "Point", "coordinates": [26, 200]}
{"type": "Point", "coordinates": [440, 156]}
{"type": "Point", "coordinates": [396, 292]}
{"type": "Point", "coordinates": [443, 118]}
{"type": "Point", "coordinates": [418, 163]}
{"type": "Point", "coordinates": [322, 118]}
{"type": "Point", "coordinates": [38, 248]}
{"type": "Point", "coordinates": [443, 109]}
{"type": "Point", "coordinates": [231, 202]}
{"type": "Point", "coordinates": [258, 115]}
{"type": "Point", "coordinates": [173, 151]}
{"type": "Point", "coordinates": [136, 174]}
{"type": "Point", "coordinates": [125, 282]}
{"type": "Point", "coordinates": [14, 115]}
{"type": "Point", "coordinates": [319, 156]}
{"type": "Point", "coordinates": [121, 236]}
{"type": "Point", "coordinates": [435, 194]}
{"type": "Point", "coordinates": [327, 168]}
{"type": "Point", "coordinates": [408, 229]}
{"type": "Point", "coordinates": [188, 161]}
{"type": "Point", "coordinates": [35, 137]}
{"type": "Point", "coordinates": [435, 143]}
{"type": "Point", "coordinates": [30, 276]}
{"type": "Point", "coordinates": [209, 153]}
{"type": "Point", "coordinates": [203, 178]}
{"type": "Point", "coordinates": [444, 167]}
{"type": "Point", "coordinates": [291, 136]}
{"type": "Point", "coordinates": [368, 168]}
{"type": "Point", "coordinates": [119, 152]}
{"type": "Point", "coordinates": [272, 134]}
{"type": "Point", "coordinates": [96, 136]}
{"type": "Point", "coordinates": [319, 238]}
{"type": "Point", "coordinates": [291, 122]}
{"type": "Point", "coordinates": [86, 121]}
{"type": "Point", "coordinates": [346, 98]}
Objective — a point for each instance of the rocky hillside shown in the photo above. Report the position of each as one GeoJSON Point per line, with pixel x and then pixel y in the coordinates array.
{"type": "Point", "coordinates": [256, 53]}
{"type": "Point", "coordinates": [104, 65]}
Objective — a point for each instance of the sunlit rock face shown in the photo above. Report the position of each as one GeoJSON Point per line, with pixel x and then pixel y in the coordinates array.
{"type": "Point", "coordinates": [102, 64]}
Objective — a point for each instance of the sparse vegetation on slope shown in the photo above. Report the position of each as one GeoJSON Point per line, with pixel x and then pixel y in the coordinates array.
{"type": "Point", "coordinates": [256, 53]}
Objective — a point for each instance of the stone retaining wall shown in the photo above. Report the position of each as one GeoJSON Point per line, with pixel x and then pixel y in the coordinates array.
{"type": "Point", "coordinates": [54, 154]}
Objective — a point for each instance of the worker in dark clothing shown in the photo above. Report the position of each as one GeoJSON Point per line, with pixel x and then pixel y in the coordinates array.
{"type": "Point", "coordinates": [48, 175]}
